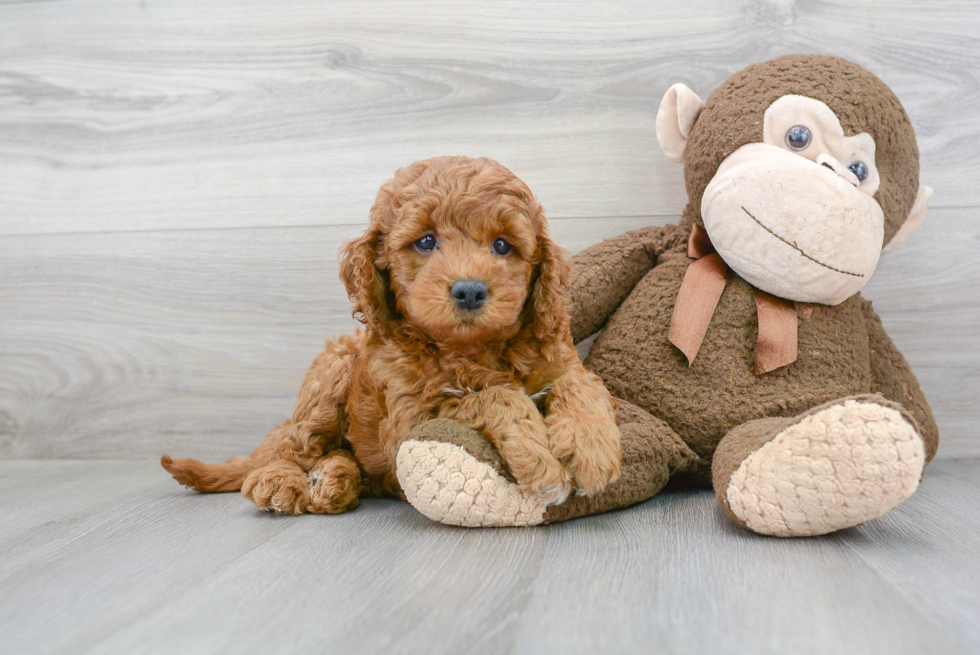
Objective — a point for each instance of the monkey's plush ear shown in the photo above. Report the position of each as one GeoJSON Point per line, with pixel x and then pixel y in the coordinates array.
{"type": "Point", "coordinates": [675, 118]}
{"type": "Point", "coordinates": [911, 223]}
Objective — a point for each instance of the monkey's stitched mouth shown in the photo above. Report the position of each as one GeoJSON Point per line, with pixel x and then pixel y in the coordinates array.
{"type": "Point", "coordinates": [797, 248]}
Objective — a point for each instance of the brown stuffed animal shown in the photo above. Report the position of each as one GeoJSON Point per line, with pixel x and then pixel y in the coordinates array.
{"type": "Point", "coordinates": [741, 331]}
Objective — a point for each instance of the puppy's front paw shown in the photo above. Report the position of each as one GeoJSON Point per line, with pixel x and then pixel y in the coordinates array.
{"type": "Point", "coordinates": [551, 484]}
{"type": "Point", "coordinates": [594, 471]}
{"type": "Point", "coordinates": [279, 487]}
{"type": "Point", "coordinates": [334, 484]}
{"type": "Point", "coordinates": [591, 453]}
{"type": "Point", "coordinates": [536, 469]}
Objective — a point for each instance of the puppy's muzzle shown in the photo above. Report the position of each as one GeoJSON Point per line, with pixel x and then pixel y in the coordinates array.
{"type": "Point", "coordinates": [469, 294]}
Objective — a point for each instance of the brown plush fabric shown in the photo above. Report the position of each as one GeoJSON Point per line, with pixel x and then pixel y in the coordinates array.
{"type": "Point", "coordinates": [733, 113]}
{"type": "Point", "coordinates": [892, 377]}
{"type": "Point", "coordinates": [737, 445]}
{"type": "Point", "coordinates": [651, 453]}
{"type": "Point", "coordinates": [605, 274]}
{"type": "Point", "coordinates": [720, 390]}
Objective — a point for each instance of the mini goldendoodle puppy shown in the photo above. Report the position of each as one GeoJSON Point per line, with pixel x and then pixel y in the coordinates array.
{"type": "Point", "coordinates": [460, 290]}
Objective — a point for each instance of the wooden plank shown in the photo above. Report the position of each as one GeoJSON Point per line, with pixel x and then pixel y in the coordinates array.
{"type": "Point", "coordinates": [167, 570]}
{"type": "Point", "coordinates": [127, 345]}
{"type": "Point", "coordinates": [168, 115]}
{"type": "Point", "coordinates": [143, 549]}
{"type": "Point", "coordinates": [923, 548]}
{"type": "Point", "coordinates": [679, 577]}
{"type": "Point", "coordinates": [386, 581]}
{"type": "Point", "coordinates": [58, 501]}
{"type": "Point", "coordinates": [159, 550]}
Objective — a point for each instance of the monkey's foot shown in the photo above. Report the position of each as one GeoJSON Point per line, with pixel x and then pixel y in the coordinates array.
{"type": "Point", "coordinates": [453, 475]}
{"type": "Point", "coordinates": [841, 465]}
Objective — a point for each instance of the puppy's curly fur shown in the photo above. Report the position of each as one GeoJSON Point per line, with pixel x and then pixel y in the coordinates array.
{"type": "Point", "coordinates": [431, 351]}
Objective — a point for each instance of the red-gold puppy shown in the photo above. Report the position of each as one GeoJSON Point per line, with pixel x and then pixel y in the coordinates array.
{"type": "Point", "coordinates": [460, 290]}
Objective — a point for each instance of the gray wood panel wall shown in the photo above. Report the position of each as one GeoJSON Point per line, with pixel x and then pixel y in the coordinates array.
{"type": "Point", "coordinates": [176, 177]}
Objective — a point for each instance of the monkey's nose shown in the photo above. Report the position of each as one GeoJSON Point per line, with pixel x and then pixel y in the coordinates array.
{"type": "Point", "coordinates": [839, 168]}
{"type": "Point", "coordinates": [469, 294]}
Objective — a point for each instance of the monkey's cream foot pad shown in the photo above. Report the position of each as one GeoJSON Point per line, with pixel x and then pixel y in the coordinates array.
{"type": "Point", "coordinates": [449, 485]}
{"type": "Point", "coordinates": [834, 469]}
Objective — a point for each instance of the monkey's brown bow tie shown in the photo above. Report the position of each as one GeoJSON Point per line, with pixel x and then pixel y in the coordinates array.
{"type": "Point", "coordinates": [700, 292]}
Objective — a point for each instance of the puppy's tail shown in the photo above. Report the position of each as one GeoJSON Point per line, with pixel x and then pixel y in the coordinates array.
{"type": "Point", "coordinates": [230, 475]}
{"type": "Point", "coordinates": [210, 477]}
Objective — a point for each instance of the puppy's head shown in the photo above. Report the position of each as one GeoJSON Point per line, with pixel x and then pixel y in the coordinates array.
{"type": "Point", "coordinates": [459, 249]}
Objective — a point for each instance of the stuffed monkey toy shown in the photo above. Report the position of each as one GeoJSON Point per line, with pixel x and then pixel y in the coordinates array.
{"type": "Point", "coordinates": [747, 358]}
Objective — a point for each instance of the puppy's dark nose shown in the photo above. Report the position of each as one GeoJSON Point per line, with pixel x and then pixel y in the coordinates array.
{"type": "Point", "coordinates": [469, 294]}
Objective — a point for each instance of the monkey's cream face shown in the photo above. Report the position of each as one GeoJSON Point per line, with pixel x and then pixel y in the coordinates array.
{"type": "Point", "coordinates": [795, 214]}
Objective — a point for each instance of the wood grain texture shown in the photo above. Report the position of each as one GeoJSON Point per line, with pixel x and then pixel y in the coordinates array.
{"type": "Point", "coordinates": [130, 563]}
{"type": "Point", "coordinates": [130, 344]}
{"type": "Point", "coordinates": [176, 177]}
{"type": "Point", "coordinates": [127, 345]}
{"type": "Point", "coordinates": [126, 115]}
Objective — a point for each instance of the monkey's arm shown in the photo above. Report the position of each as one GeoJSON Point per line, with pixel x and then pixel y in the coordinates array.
{"type": "Point", "coordinates": [604, 274]}
{"type": "Point", "coordinates": [892, 377]}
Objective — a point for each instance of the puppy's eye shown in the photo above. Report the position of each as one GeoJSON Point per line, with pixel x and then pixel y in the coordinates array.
{"type": "Point", "coordinates": [501, 247]}
{"type": "Point", "coordinates": [798, 137]}
{"type": "Point", "coordinates": [426, 243]}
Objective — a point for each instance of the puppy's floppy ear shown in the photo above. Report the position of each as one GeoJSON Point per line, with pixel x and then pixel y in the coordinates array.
{"type": "Point", "coordinates": [363, 268]}
{"type": "Point", "coordinates": [554, 273]}
{"type": "Point", "coordinates": [367, 285]}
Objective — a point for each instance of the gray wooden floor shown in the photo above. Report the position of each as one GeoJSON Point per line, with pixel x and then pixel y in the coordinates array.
{"type": "Point", "coordinates": [114, 557]}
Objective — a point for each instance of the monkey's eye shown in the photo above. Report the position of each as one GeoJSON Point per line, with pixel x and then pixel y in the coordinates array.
{"type": "Point", "coordinates": [426, 243]}
{"type": "Point", "coordinates": [798, 137]}
{"type": "Point", "coordinates": [859, 169]}
{"type": "Point", "coordinates": [501, 247]}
